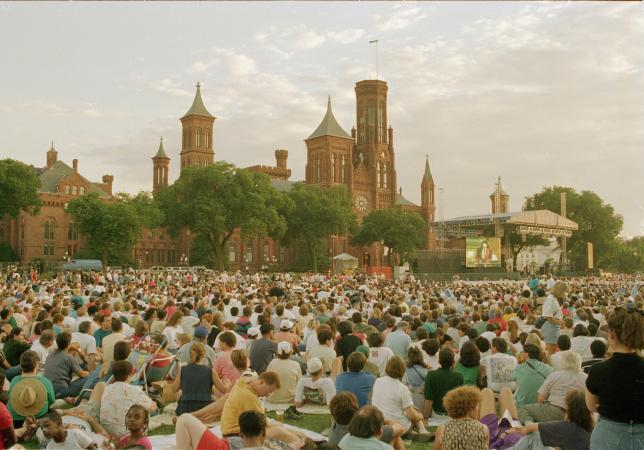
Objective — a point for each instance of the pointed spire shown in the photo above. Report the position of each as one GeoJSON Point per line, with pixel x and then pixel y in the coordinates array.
{"type": "Point", "coordinates": [499, 189]}
{"type": "Point", "coordinates": [198, 108]}
{"type": "Point", "coordinates": [161, 152]}
{"type": "Point", "coordinates": [329, 125]}
{"type": "Point", "coordinates": [52, 149]}
{"type": "Point", "coordinates": [427, 176]}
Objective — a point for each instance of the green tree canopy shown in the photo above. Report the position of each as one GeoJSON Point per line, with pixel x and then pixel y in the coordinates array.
{"type": "Point", "coordinates": [316, 214]}
{"type": "Point", "coordinates": [216, 200]}
{"type": "Point", "coordinates": [400, 230]}
{"type": "Point", "coordinates": [111, 228]}
{"type": "Point", "coordinates": [627, 256]}
{"type": "Point", "coordinates": [147, 209]}
{"type": "Point", "coordinates": [597, 220]}
{"type": "Point", "coordinates": [18, 188]}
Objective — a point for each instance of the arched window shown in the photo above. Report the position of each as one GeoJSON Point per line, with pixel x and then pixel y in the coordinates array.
{"type": "Point", "coordinates": [266, 253]}
{"type": "Point", "coordinates": [50, 229]}
{"type": "Point", "coordinates": [232, 251]}
{"type": "Point", "coordinates": [207, 139]}
{"type": "Point", "coordinates": [333, 167]}
{"type": "Point", "coordinates": [198, 137]}
{"type": "Point", "coordinates": [362, 124]}
{"type": "Point", "coordinates": [81, 190]}
{"type": "Point", "coordinates": [343, 172]}
{"type": "Point", "coordinates": [72, 232]}
{"type": "Point", "coordinates": [249, 251]}
{"type": "Point", "coordinates": [384, 175]}
{"type": "Point", "coordinates": [317, 168]}
{"type": "Point", "coordinates": [74, 190]}
{"type": "Point", "coordinates": [378, 175]}
{"type": "Point", "coordinates": [67, 189]}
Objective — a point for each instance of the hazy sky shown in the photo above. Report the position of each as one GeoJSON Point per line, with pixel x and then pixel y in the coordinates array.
{"type": "Point", "coordinates": [539, 94]}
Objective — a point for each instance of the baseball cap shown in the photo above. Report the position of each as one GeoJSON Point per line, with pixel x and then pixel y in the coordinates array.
{"type": "Point", "coordinates": [253, 331]}
{"type": "Point", "coordinates": [201, 332]}
{"type": "Point", "coordinates": [286, 324]}
{"type": "Point", "coordinates": [284, 347]}
{"type": "Point", "coordinates": [314, 365]}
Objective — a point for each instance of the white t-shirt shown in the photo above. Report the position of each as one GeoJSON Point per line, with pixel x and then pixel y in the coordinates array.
{"type": "Point", "coordinates": [320, 391]}
{"type": "Point", "coordinates": [581, 345]}
{"type": "Point", "coordinates": [42, 352]}
{"type": "Point", "coordinates": [379, 356]}
{"type": "Point", "coordinates": [551, 308]}
{"type": "Point", "coordinates": [86, 342]}
{"type": "Point", "coordinates": [171, 334]}
{"type": "Point", "coordinates": [392, 397]}
{"type": "Point", "coordinates": [498, 368]}
{"type": "Point", "coordinates": [76, 439]}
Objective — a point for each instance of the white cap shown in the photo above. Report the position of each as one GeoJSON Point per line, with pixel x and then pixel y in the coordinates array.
{"type": "Point", "coordinates": [314, 365]}
{"type": "Point", "coordinates": [286, 324]}
{"type": "Point", "coordinates": [253, 331]}
{"type": "Point", "coordinates": [284, 347]}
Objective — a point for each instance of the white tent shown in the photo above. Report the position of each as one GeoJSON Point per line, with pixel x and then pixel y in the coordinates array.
{"type": "Point", "coordinates": [344, 262]}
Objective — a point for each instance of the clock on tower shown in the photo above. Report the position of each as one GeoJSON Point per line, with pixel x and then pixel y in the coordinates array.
{"type": "Point", "coordinates": [361, 203]}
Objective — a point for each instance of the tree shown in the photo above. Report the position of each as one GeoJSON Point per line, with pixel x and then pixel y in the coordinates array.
{"type": "Point", "coordinates": [217, 200]}
{"type": "Point", "coordinates": [316, 214]}
{"type": "Point", "coordinates": [7, 254]}
{"type": "Point", "coordinates": [627, 256]}
{"type": "Point", "coordinates": [402, 231]}
{"type": "Point", "coordinates": [148, 210]}
{"type": "Point", "coordinates": [597, 220]}
{"type": "Point", "coordinates": [18, 188]}
{"type": "Point", "coordinates": [111, 228]}
{"type": "Point", "coordinates": [517, 243]}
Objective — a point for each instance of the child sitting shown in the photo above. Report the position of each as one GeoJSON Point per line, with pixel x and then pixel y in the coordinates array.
{"type": "Point", "coordinates": [61, 438]}
{"type": "Point", "coordinates": [136, 422]}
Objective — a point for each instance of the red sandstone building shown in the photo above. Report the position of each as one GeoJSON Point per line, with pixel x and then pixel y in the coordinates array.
{"type": "Point", "coordinates": [364, 161]}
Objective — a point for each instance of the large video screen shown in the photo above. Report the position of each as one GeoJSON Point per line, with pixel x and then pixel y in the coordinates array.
{"type": "Point", "coordinates": [483, 252]}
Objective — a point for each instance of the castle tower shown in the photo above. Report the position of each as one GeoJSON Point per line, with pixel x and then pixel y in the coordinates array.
{"type": "Point", "coordinates": [197, 136]}
{"type": "Point", "coordinates": [328, 153]}
{"type": "Point", "coordinates": [374, 148]}
{"type": "Point", "coordinates": [428, 204]}
{"type": "Point", "coordinates": [160, 167]}
{"type": "Point", "coordinates": [52, 156]}
{"type": "Point", "coordinates": [499, 199]}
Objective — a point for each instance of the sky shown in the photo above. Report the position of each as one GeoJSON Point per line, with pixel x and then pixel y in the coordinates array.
{"type": "Point", "coordinates": [539, 94]}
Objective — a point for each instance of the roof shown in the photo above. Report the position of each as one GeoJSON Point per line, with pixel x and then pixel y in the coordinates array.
{"type": "Point", "coordinates": [427, 176]}
{"type": "Point", "coordinates": [282, 185]}
{"type": "Point", "coordinates": [50, 177]}
{"type": "Point", "coordinates": [542, 218]}
{"type": "Point", "coordinates": [329, 126]}
{"type": "Point", "coordinates": [161, 151]}
{"type": "Point", "coordinates": [503, 193]}
{"type": "Point", "coordinates": [402, 201]}
{"type": "Point", "coordinates": [345, 257]}
{"type": "Point", "coordinates": [198, 108]}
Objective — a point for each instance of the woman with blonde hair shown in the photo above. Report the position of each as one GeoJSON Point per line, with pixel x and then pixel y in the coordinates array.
{"type": "Point", "coordinates": [195, 381]}
{"type": "Point", "coordinates": [464, 431]}
{"type": "Point", "coordinates": [553, 315]}
{"type": "Point", "coordinates": [172, 330]}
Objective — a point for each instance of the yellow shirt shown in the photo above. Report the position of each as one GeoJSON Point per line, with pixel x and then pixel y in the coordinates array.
{"type": "Point", "coordinates": [241, 398]}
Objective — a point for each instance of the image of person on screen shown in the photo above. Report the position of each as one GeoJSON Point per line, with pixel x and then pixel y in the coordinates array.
{"type": "Point", "coordinates": [484, 254]}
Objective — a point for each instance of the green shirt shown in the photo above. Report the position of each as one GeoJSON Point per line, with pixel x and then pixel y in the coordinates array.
{"type": "Point", "coordinates": [51, 398]}
{"type": "Point", "coordinates": [438, 383]}
{"type": "Point", "coordinates": [470, 374]}
{"type": "Point", "coordinates": [13, 349]}
{"type": "Point", "coordinates": [529, 376]}
{"type": "Point", "coordinates": [480, 327]}
{"type": "Point", "coordinates": [99, 335]}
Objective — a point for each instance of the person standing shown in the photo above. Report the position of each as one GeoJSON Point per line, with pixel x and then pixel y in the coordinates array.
{"type": "Point", "coordinates": [553, 315]}
{"type": "Point", "coordinates": [615, 387]}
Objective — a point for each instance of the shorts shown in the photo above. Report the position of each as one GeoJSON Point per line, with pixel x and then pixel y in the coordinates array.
{"type": "Point", "coordinates": [550, 332]}
{"type": "Point", "coordinates": [499, 436]}
{"type": "Point", "coordinates": [209, 441]}
{"type": "Point", "coordinates": [387, 434]}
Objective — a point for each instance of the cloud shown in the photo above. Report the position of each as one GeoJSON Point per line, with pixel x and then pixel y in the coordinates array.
{"type": "Point", "coordinates": [169, 86]}
{"type": "Point", "coordinates": [226, 60]}
{"type": "Point", "coordinates": [42, 108]}
{"type": "Point", "coordinates": [401, 18]}
{"type": "Point", "coordinates": [346, 36]}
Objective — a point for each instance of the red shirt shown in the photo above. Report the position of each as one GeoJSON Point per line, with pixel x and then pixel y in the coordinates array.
{"type": "Point", "coordinates": [6, 422]}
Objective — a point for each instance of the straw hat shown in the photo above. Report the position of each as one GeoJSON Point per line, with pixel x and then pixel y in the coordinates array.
{"type": "Point", "coordinates": [28, 396]}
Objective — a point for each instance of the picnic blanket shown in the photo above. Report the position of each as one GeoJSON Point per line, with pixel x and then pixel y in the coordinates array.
{"type": "Point", "coordinates": [168, 441]}
{"type": "Point", "coordinates": [306, 408]}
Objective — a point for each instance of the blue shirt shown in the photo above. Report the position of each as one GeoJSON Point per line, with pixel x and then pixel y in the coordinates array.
{"type": "Point", "coordinates": [399, 342]}
{"type": "Point", "coordinates": [360, 383]}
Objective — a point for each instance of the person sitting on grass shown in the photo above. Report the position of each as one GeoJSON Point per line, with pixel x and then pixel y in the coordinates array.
{"type": "Point", "coordinates": [30, 394]}
{"type": "Point", "coordinates": [439, 382]}
{"type": "Point", "coordinates": [137, 419]}
{"type": "Point", "coordinates": [393, 398]}
{"type": "Point", "coordinates": [365, 429]}
{"type": "Point", "coordinates": [464, 429]}
{"type": "Point", "coordinates": [62, 438]}
{"type": "Point", "coordinates": [357, 381]}
{"type": "Point", "coordinates": [343, 407]}
{"type": "Point", "coordinates": [314, 389]}
{"type": "Point", "coordinates": [60, 367]}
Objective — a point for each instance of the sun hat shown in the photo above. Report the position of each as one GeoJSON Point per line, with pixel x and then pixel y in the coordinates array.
{"type": "Point", "coordinates": [286, 324]}
{"type": "Point", "coordinates": [28, 396]}
{"type": "Point", "coordinates": [314, 365]}
{"type": "Point", "coordinates": [253, 331]}
{"type": "Point", "coordinates": [284, 347]}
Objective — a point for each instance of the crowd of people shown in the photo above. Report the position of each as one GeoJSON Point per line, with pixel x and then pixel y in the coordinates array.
{"type": "Point", "coordinates": [530, 364]}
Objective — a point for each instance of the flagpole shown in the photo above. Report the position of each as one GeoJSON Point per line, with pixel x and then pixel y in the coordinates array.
{"type": "Point", "coordinates": [376, 42]}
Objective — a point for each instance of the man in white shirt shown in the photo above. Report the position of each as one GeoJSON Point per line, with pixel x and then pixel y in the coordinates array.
{"type": "Point", "coordinates": [86, 343]}
{"type": "Point", "coordinates": [45, 345]}
{"type": "Point", "coordinates": [550, 282]}
{"type": "Point", "coordinates": [499, 366]}
{"type": "Point", "coordinates": [110, 340]}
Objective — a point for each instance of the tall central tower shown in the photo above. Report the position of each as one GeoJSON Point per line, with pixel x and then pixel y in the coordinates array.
{"type": "Point", "coordinates": [196, 143]}
{"type": "Point", "coordinates": [373, 157]}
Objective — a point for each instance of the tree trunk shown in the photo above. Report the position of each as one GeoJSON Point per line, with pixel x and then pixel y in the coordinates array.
{"type": "Point", "coordinates": [515, 253]}
{"type": "Point", "coordinates": [314, 260]}
{"type": "Point", "coordinates": [104, 260]}
{"type": "Point", "coordinates": [217, 253]}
